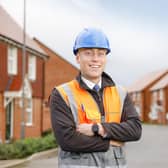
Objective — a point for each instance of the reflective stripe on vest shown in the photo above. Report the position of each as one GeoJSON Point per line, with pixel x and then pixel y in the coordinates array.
{"type": "Point", "coordinates": [85, 109]}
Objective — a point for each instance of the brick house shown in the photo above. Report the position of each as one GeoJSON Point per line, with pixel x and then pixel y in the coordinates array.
{"type": "Point", "coordinates": [57, 71]}
{"type": "Point", "coordinates": [11, 37]}
{"type": "Point", "coordinates": [159, 101]}
{"type": "Point", "coordinates": [140, 92]}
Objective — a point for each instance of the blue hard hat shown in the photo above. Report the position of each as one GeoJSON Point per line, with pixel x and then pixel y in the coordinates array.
{"type": "Point", "coordinates": [91, 38]}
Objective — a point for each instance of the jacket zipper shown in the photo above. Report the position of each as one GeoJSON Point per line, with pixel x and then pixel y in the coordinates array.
{"type": "Point", "coordinates": [101, 108]}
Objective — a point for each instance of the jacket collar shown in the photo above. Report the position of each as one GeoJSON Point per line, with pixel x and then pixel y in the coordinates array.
{"type": "Point", "coordinates": [106, 81]}
{"type": "Point", "coordinates": [91, 84]}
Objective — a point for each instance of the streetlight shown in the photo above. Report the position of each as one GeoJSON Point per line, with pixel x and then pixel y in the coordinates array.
{"type": "Point", "coordinates": [22, 134]}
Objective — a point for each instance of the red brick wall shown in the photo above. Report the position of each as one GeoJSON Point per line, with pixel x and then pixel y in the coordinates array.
{"type": "Point", "coordinates": [37, 90]}
{"type": "Point", "coordinates": [30, 131]}
{"type": "Point", "coordinates": [57, 71]}
{"type": "Point", "coordinates": [147, 98]}
{"type": "Point", "coordinates": [4, 77]}
{"type": "Point", "coordinates": [140, 103]}
{"type": "Point", "coordinates": [3, 66]}
{"type": "Point", "coordinates": [37, 85]}
{"type": "Point", "coordinates": [2, 119]}
{"type": "Point", "coordinates": [17, 119]}
{"type": "Point", "coordinates": [166, 92]}
{"type": "Point", "coordinates": [35, 129]}
{"type": "Point", "coordinates": [46, 119]}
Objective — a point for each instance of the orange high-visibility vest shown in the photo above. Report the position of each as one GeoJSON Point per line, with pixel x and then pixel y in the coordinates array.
{"type": "Point", "coordinates": [85, 109]}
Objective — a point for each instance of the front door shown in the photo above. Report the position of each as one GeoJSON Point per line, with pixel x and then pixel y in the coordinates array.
{"type": "Point", "coordinates": [9, 121]}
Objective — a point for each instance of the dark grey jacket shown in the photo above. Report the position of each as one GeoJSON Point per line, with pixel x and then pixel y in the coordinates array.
{"type": "Point", "coordinates": [76, 147]}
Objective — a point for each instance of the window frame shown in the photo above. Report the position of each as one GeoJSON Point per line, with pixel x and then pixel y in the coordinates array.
{"type": "Point", "coordinates": [12, 60]}
{"type": "Point", "coordinates": [29, 112]}
{"type": "Point", "coordinates": [32, 66]}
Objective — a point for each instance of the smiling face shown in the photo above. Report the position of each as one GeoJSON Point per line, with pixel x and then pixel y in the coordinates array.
{"type": "Point", "coordinates": [92, 62]}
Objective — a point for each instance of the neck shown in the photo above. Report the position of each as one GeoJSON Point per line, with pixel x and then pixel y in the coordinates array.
{"type": "Point", "coordinates": [93, 80]}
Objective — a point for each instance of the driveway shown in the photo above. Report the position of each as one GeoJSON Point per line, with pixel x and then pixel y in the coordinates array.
{"type": "Point", "coordinates": [151, 151]}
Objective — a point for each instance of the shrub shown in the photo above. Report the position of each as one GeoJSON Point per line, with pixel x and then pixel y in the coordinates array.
{"type": "Point", "coordinates": [26, 147]}
{"type": "Point", "coordinates": [47, 132]}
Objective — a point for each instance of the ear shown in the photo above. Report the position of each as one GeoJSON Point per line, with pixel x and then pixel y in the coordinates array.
{"type": "Point", "coordinates": [78, 58]}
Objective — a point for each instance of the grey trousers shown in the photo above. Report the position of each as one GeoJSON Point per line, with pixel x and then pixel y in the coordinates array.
{"type": "Point", "coordinates": [113, 158]}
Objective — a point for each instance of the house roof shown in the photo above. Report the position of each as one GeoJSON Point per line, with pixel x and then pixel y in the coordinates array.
{"type": "Point", "coordinates": [12, 33]}
{"type": "Point", "coordinates": [147, 80]}
{"type": "Point", "coordinates": [41, 44]}
{"type": "Point", "coordinates": [162, 83]}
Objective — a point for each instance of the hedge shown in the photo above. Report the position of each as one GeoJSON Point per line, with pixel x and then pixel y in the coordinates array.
{"type": "Point", "coordinates": [26, 147]}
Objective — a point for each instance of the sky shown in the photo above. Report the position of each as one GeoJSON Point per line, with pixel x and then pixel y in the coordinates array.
{"type": "Point", "coordinates": [137, 30]}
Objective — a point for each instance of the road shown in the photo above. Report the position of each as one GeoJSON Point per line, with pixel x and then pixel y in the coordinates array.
{"type": "Point", "coordinates": [150, 152]}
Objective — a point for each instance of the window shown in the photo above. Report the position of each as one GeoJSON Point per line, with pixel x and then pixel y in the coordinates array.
{"type": "Point", "coordinates": [138, 96]}
{"type": "Point", "coordinates": [154, 97]}
{"type": "Point", "coordinates": [32, 67]}
{"type": "Point", "coordinates": [12, 60]}
{"type": "Point", "coordinates": [161, 95]}
{"type": "Point", "coordinates": [29, 112]}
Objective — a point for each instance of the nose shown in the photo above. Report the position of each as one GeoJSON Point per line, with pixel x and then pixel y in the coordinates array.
{"type": "Point", "coordinates": [95, 56]}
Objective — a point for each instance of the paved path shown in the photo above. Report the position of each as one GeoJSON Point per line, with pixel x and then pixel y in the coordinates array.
{"type": "Point", "coordinates": [150, 152]}
{"type": "Point", "coordinates": [50, 162]}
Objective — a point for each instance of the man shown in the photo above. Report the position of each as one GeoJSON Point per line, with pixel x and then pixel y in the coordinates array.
{"type": "Point", "coordinates": [91, 116]}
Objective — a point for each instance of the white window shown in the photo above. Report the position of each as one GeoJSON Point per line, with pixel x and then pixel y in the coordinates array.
{"type": "Point", "coordinates": [154, 97]}
{"type": "Point", "coordinates": [138, 96]}
{"type": "Point", "coordinates": [29, 112]}
{"type": "Point", "coordinates": [161, 95]}
{"type": "Point", "coordinates": [12, 60]}
{"type": "Point", "coordinates": [32, 67]}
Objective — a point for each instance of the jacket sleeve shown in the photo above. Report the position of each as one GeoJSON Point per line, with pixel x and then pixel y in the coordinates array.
{"type": "Point", "coordinates": [129, 129]}
{"type": "Point", "coordinates": [65, 129]}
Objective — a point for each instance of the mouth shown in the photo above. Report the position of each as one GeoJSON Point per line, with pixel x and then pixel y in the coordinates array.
{"type": "Point", "coordinates": [95, 66]}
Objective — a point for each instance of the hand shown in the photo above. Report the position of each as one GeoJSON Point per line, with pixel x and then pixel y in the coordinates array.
{"type": "Point", "coordinates": [116, 143]}
{"type": "Point", "coordinates": [85, 129]}
{"type": "Point", "coordinates": [101, 130]}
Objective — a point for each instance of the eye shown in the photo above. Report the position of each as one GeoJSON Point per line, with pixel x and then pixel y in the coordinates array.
{"type": "Point", "coordinates": [88, 52]}
{"type": "Point", "coordinates": [101, 53]}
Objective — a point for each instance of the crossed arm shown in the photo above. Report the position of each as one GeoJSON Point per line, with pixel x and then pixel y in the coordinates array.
{"type": "Point", "coordinates": [80, 138]}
